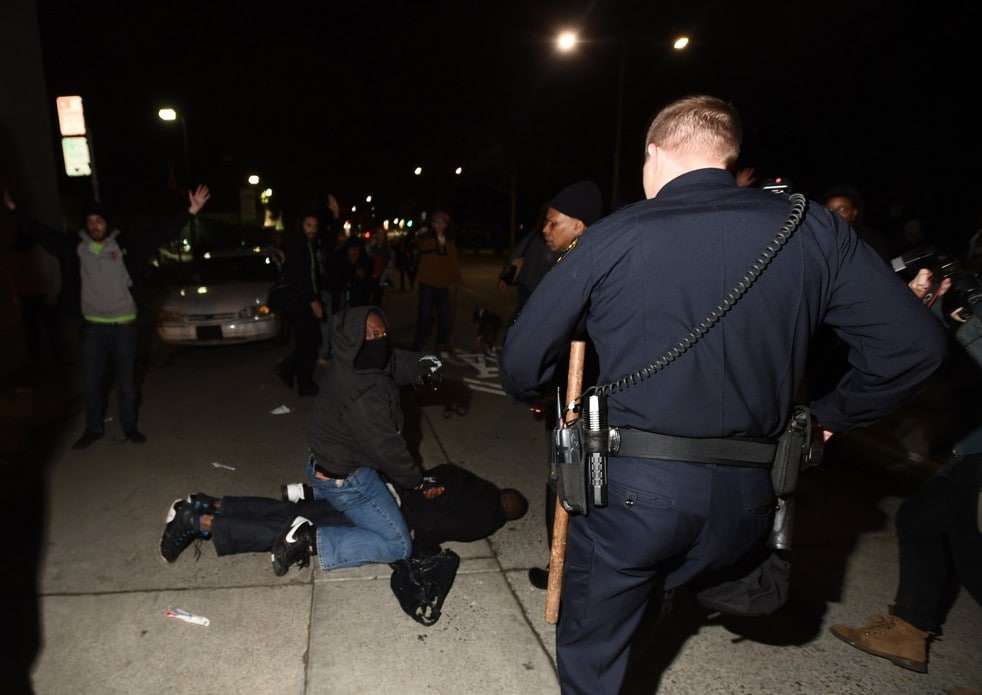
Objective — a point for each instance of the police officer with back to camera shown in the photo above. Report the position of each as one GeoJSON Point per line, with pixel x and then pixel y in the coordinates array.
{"type": "Point", "coordinates": [689, 486]}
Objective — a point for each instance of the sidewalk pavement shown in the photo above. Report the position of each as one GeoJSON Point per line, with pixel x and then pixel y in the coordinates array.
{"type": "Point", "coordinates": [103, 586]}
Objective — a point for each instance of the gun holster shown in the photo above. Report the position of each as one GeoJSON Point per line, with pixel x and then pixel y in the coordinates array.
{"type": "Point", "coordinates": [569, 467]}
{"type": "Point", "coordinates": [796, 451]}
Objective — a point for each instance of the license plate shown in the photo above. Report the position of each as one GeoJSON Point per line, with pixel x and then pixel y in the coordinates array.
{"type": "Point", "coordinates": [209, 332]}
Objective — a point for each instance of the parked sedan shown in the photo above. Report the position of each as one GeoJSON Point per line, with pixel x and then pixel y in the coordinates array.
{"type": "Point", "coordinates": [223, 301]}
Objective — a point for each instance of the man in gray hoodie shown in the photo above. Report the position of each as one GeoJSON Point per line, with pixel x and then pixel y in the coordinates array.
{"type": "Point", "coordinates": [108, 308]}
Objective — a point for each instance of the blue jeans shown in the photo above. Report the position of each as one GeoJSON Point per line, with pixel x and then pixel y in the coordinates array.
{"type": "Point", "coordinates": [433, 301]}
{"type": "Point", "coordinates": [103, 344]}
{"type": "Point", "coordinates": [379, 533]}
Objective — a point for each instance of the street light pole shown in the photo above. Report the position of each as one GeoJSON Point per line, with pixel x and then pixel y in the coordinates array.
{"type": "Point", "coordinates": [618, 133]}
{"type": "Point", "coordinates": [187, 148]}
{"type": "Point", "coordinates": [169, 115]}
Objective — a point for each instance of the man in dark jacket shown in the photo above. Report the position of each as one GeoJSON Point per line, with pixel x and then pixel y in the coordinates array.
{"type": "Point", "coordinates": [469, 508]}
{"type": "Point", "coordinates": [302, 273]}
{"type": "Point", "coordinates": [355, 434]}
{"type": "Point", "coordinates": [96, 263]}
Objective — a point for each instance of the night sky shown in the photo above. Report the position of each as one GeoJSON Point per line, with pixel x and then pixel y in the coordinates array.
{"type": "Point", "coordinates": [349, 98]}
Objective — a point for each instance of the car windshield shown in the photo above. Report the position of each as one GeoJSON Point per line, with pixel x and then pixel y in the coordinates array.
{"type": "Point", "coordinates": [222, 269]}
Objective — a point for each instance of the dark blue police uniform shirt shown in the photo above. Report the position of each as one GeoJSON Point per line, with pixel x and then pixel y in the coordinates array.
{"type": "Point", "coordinates": [650, 272]}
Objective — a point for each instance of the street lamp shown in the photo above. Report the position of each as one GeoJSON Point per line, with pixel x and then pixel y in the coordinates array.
{"type": "Point", "coordinates": [458, 171]}
{"type": "Point", "coordinates": [566, 41]}
{"type": "Point", "coordinates": [253, 180]}
{"type": "Point", "coordinates": [368, 198]}
{"type": "Point", "coordinates": [418, 170]}
{"type": "Point", "coordinates": [169, 115]}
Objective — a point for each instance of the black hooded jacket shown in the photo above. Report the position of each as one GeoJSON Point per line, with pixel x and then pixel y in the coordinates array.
{"type": "Point", "coordinates": [357, 420]}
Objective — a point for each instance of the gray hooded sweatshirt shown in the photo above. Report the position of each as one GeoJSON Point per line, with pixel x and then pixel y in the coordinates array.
{"type": "Point", "coordinates": [106, 283]}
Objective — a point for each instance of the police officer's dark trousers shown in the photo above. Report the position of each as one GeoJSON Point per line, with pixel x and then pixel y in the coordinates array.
{"type": "Point", "coordinates": [664, 523]}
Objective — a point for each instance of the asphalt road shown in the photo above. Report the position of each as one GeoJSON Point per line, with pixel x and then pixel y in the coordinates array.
{"type": "Point", "coordinates": [102, 587]}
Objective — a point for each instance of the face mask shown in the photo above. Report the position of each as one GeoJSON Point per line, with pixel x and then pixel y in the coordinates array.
{"type": "Point", "coordinates": [374, 354]}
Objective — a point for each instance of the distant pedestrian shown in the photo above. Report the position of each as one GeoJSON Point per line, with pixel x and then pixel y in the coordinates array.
{"type": "Point", "coordinates": [96, 263]}
{"type": "Point", "coordinates": [439, 271]}
{"type": "Point", "coordinates": [304, 311]}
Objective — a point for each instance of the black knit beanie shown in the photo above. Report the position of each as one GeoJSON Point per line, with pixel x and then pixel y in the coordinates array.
{"type": "Point", "coordinates": [581, 201]}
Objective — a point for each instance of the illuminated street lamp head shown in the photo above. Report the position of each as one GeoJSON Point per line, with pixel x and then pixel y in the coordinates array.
{"type": "Point", "coordinates": [566, 41]}
{"type": "Point", "coordinates": [459, 171]}
{"type": "Point", "coordinates": [253, 180]}
{"type": "Point", "coordinates": [368, 198]}
{"type": "Point", "coordinates": [418, 171]}
{"type": "Point", "coordinates": [681, 43]}
{"type": "Point", "coordinates": [167, 114]}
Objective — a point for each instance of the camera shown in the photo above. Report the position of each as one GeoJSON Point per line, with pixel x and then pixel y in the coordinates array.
{"type": "Point", "coordinates": [966, 286]}
{"type": "Point", "coordinates": [779, 185]}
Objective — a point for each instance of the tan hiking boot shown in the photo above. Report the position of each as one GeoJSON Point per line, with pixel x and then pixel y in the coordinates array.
{"type": "Point", "coordinates": [889, 637]}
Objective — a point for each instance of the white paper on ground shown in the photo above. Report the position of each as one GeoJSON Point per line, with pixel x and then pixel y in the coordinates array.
{"type": "Point", "coordinates": [187, 617]}
{"type": "Point", "coordinates": [280, 410]}
{"type": "Point", "coordinates": [216, 464]}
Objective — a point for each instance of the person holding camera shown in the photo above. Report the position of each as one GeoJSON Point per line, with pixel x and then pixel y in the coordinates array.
{"type": "Point", "coordinates": [939, 530]}
{"type": "Point", "coordinates": [645, 278]}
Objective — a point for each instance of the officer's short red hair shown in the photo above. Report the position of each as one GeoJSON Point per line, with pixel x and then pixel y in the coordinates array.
{"type": "Point", "coordinates": [701, 123]}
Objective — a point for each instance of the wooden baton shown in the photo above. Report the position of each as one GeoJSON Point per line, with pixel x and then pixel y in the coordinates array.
{"type": "Point", "coordinates": [560, 525]}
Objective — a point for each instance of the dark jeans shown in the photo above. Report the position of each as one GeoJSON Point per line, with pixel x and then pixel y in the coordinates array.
{"type": "Point", "coordinates": [939, 539]}
{"type": "Point", "coordinates": [664, 524]}
{"type": "Point", "coordinates": [103, 344]}
{"type": "Point", "coordinates": [433, 300]}
{"type": "Point", "coordinates": [252, 524]}
{"type": "Point", "coordinates": [306, 343]}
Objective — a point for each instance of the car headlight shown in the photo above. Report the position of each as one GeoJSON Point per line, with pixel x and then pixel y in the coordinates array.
{"type": "Point", "coordinates": [167, 316]}
{"type": "Point", "coordinates": [255, 311]}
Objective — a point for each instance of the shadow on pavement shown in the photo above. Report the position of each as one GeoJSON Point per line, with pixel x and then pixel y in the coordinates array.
{"type": "Point", "coordinates": [29, 436]}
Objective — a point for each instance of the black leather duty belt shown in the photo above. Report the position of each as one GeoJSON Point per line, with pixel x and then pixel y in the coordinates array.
{"type": "Point", "coordinates": [725, 452]}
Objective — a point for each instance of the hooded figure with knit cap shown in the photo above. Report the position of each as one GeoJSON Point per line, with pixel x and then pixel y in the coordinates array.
{"type": "Point", "coordinates": [355, 438]}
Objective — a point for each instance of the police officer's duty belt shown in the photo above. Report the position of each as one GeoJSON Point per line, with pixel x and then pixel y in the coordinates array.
{"type": "Point", "coordinates": [726, 452]}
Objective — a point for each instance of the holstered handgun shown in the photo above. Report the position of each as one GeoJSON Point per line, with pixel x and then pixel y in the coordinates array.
{"type": "Point", "coordinates": [796, 451]}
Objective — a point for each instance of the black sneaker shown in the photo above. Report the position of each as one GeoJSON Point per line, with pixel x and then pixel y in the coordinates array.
{"type": "Point", "coordinates": [87, 439]}
{"type": "Point", "coordinates": [136, 437]}
{"type": "Point", "coordinates": [180, 530]}
{"type": "Point", "coordinates": [539, 577]}
{"type": "Point", "coordinates": [296, 492]}
{"type": "Point", "coordinates": [294, 546]}
{"type": "Point", "coordinates": [202, 503]}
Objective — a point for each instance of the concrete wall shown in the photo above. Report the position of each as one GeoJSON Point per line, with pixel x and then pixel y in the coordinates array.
{"type": "Point", "coordinates": [29, 165]}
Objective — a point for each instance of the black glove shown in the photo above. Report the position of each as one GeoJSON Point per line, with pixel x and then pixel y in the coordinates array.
{"type": "Point", "coordinates": [429, 367]}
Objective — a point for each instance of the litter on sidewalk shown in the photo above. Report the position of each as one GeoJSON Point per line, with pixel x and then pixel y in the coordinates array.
{"type": "Point", "coordinates": [186, 616]}
{"type": "Point", "coordinates": [216, 464]}
{"type": "Point", "coordinates": [280, 410]}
